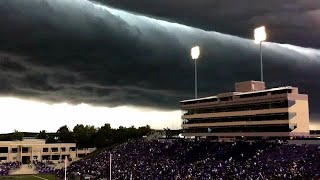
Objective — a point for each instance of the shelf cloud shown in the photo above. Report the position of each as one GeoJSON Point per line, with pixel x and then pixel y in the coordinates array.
{"type": "Point", "coordinates": [84, 52]}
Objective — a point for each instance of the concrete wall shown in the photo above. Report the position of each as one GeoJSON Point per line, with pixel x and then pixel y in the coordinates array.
{"type": "Point", "coordinates": [301, 108]}
{"type": "Point", "coordinates": [304, 142]}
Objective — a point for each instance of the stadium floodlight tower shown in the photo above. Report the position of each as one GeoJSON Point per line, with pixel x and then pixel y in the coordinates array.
{"type": "Point", "coordinates": [195, 52]}
{"type": "Point", "coordinates": [259, 36]}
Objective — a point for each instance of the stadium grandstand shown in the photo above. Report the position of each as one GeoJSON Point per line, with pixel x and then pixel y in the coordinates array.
{"type": "Point", "coordinates": [187, 159]}
{"type": "Point", "coordinates": [250, 111]}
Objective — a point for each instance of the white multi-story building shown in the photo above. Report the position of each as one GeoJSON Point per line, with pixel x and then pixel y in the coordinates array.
{"type": "Point", "coordinates": [250, 111]}
{"type": "Point", "coordinates": [37, 149]}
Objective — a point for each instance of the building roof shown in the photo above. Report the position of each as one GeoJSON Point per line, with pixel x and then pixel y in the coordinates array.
{"type": "Point", "coordinates": [250, 81]}
{"type": "Point", "coordinates": [241, 93]}
{"type": "Point", "coordinates": [209, 97]}
{"type": "Point", "coordinates": [266, 90]}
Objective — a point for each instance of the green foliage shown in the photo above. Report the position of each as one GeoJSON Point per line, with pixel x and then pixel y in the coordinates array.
{"type": "Point", "coordinates": [51, 138]}
{"type": "Point", "coordinates": [65, 135]}
{"type": "Point", "coordinates": [5, 137]}
{"type": "Point", "coordinates": [89, 136]}
{"type": "Point", "coordinates": [42, 135]}
{"type": "Point", "coordinates": [83, 135]}
{"type": "Point", "coordinates": [86, 136]}
{"type": "Point", "coordinates": [16, 135]}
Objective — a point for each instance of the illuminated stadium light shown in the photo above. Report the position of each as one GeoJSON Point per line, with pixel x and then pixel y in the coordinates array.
{"type": "Point", "coordinates": [259, 36]}
{"type": "Point", "coordinates": [195, 52]}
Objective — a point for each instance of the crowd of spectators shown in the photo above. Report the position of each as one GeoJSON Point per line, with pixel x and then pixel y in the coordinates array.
{"type": "Point", "coordinates": [180, 160]}
{"type": "Point", "coordinates": [45, 167]}
{"type": "Point", "coordinates": [5, 168]}
{"type": "Point", "coordinates": [187, 159]}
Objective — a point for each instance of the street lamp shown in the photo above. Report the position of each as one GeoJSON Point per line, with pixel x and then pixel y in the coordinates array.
{"type": "Point", "coordinates": [259, 36]}
{"type": "Point", "coordinates": [195, 52]}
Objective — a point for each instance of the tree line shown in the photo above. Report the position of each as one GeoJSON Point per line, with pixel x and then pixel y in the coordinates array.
{"type": "Point", "coordinates": [85, 136]}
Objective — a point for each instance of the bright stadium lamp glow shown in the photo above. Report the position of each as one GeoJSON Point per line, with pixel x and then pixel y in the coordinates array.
{"type": "Point", "coordinates": [260, 34]}
{"type": "Point", "coordinates": [195, 52]}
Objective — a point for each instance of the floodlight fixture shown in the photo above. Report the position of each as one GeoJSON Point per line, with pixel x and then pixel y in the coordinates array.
{"type": "Point", "coordinates": [260, 34]}
{"type": "Point", "coordinates": [195, 52]}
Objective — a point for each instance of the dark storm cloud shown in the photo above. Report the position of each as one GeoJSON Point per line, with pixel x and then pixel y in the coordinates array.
{"type": "Point", "coordinates": [76, 51]}
{"type": "Point", "coordinates": [288, 21]}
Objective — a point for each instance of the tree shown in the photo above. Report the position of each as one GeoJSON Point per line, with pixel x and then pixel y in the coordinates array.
{"type": "Point", "coordinates": [120, 134]}
{"type": "Point", "coordinates": [16, 135]}
{"type": "Point", "coordinates": [104, 136]}
{"type": "Point", "coordinates": [5, 137]}
{"type": "Point", "coordinates": [89, 136]}
{"type": "Point", "coordinates": [83, 135]}
{"type": "Point", "coordinates": [107, 132]}
{"type": "Point", "coordinates": [144, 130]}
{"type": "Point", "coordinates": [51, 138]}
{"type": "Point", "coordinates": [99, 140]}
{"type": "Point", "coordinates": [65, 135]}
{"type": "Point", "coordinates": [132, 133]}
{"type": "Point", "coordinates": [42, 135]}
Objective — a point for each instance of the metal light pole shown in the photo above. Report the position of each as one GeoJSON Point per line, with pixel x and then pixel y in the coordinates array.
{"type": "Point", "coordinates": [110, 166]}
{"type": "Point", "coordinates": [195, 52]}
{"type": "Point", "coordinates": [259, 36]}
{"type": "Point", "coordinates": [65, 167]}
{"type": "Point", "coordinates": [261, 64]}
{"type": "Point", "coordinates": [195, 80]}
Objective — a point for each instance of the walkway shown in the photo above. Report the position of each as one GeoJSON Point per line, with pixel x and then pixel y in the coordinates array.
{"type": "Point", "coordinates": [24, 169]}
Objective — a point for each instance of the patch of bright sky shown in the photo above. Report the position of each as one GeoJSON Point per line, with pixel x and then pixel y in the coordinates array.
{"type": "Point", "coordinates": [32, 116]}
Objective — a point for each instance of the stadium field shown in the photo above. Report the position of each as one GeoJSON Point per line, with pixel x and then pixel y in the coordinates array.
{"type": "Point", "coordinates": [31, 177]}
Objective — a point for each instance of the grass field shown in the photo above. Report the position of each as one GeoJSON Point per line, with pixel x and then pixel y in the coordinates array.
{"type": "Point", "coordinates": [31, 177]}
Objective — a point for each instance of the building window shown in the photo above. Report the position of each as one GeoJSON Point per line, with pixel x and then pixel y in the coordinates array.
{"type": "Point", "coordinates": [14, 150]}
{"type": "Point", "coordinates": [4, 149]}
{"type": "Point", "coordinates": [25, 150]}
{"type": "Point", "coordinates": [45, 150]}
{"type": "Point", "coordinates": [63, 149]}
{"type": "Point", "coordinates": [54, 149]}
{"type": "Point", "coordinates": [257, 117]}
{"type": "Point", "coordinates": [253, 128]}
{"type": "Point", "coordinates": [72, 148]}
{"type": "Point", "coordinates": [3, 158]}
{"type": "Point", "coordinates": [239, 107]}
{"type": "Point", "coordinates": [46, 157]}
{"type": "Point", "coordinates": [55, 157]}
{"type": "Point", "coordinates": [35, 157]}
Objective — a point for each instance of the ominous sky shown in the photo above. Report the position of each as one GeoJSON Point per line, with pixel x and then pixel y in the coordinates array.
{"type": "Point", "coordinates": [75, 51]}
